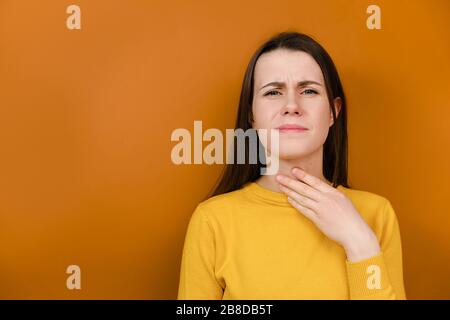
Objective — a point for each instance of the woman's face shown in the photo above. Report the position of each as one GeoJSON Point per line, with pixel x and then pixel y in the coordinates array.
{"type": "Point", "coordinates": [289, 88]}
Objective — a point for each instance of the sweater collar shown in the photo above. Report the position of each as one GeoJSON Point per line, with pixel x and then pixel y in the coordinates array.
{"type": "Point", "coordinates": [255, 191]}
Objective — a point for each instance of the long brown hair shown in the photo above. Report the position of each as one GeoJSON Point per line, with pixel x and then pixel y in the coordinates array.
{"type": "Point", "coordinates": [335, 155]}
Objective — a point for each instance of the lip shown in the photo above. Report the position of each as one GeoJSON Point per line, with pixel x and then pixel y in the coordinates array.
{"type": "Point", "coordinates": [292, 128]}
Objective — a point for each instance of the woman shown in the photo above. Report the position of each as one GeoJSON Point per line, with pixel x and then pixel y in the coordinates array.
{"type": "Point", "coordinates": [302, 233]}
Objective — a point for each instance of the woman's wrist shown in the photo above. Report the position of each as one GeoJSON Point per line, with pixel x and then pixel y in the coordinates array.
{"type": "Point", "coordinates": [362, 248]}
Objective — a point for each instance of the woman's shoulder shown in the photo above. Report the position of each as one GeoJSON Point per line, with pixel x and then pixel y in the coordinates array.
{"type": "Point", "coordinates": [370, 204]}
{"type": "Point", "coordinates": [363, 195]}
{"type": "Point", "coordinates": [222, 207]}
{"type": "Point", "coordinates": [222, 201]}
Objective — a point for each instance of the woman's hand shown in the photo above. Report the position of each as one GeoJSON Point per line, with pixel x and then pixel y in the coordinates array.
{"type": "Point", "coordinates": [332, 212]}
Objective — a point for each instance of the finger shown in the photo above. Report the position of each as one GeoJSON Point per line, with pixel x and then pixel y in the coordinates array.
{"type": "Point", "coordinates": [311, 180]}
{"type": "Point", "coordinates": [301, 199]}
{"type": "Point", "coordinates": [311, 215]}
{"type": "Point", "coordinates": [300, 187]}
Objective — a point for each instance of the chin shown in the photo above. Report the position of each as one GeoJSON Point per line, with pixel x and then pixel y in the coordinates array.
{"type": "Point", "coordinates": [291, 154]}
{"type": "Point", "coordinates": [291, 149]}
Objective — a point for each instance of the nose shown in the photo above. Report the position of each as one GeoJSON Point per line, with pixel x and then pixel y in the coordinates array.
{"type": "Point", "coordinates": [292, 106]}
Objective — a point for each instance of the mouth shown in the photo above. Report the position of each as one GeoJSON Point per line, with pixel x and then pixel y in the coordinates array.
{"type": "Point", "coordinates": [291, 128]}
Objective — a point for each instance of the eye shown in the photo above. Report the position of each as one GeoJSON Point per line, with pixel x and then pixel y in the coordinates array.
{"type": "Point", "coordinates": [271, 93]}
{"type": "Point", "coordinates": [311, 91]}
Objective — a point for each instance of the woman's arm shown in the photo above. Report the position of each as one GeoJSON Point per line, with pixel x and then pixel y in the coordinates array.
{"type": "Point", "coordinates": [381, 276]}
{"type": "Point", "coordinates": [197, 279]}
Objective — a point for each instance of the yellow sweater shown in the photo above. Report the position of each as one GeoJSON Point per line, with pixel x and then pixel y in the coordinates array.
{"type": "Point", "coordinates": [252, 244]}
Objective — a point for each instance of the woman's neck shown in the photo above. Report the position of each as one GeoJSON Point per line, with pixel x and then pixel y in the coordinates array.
{"type": "Point", "coordinates": [312, 164]}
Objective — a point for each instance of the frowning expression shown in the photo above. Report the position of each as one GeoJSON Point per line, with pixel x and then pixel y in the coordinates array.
{"type": "Point", "coordinates": [289, 95]}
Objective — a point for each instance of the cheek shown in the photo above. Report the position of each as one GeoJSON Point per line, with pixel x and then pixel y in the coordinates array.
{"type": "Point", "coordinates": [321, 123]}
{"type": "Point", "coordinates": [263, 114]}
{"type": "Point", "coordinates": [320, 108]}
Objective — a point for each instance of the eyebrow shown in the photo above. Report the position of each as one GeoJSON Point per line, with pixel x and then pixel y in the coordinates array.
{"type": "Point", "coordinates": [282, 84]}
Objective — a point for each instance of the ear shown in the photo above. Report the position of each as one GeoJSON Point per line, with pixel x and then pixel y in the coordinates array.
{"type": "Point", "coordinates": [250, 119]}
{"type": "Point", "coordinates": [337, 108]}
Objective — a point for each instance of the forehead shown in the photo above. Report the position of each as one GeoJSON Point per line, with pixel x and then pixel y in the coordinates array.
{"type": "Point", "coordinates": [284, 65]}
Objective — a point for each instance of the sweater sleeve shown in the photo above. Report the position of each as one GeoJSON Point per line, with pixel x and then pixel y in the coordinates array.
{"type": "Point", "coordinates": [380, 277]}
{"type": "Point", "coordinates": [197, 277]}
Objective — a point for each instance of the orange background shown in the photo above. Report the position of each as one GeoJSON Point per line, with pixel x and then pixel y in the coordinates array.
{"type": "Point", "coordinates": [86, 117]}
